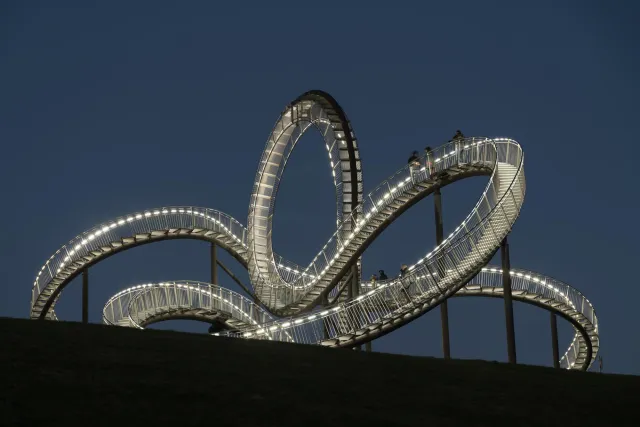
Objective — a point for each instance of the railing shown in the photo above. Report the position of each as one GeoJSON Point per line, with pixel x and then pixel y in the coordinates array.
{"type": "Point", "coordinates": [282, 284]}
{"type": "Point", "coordinates": [534, 284]}
{"type": "Point", "coordinates": [429, 280]}
{"type": "Point", "coordinates": [555, 290]}
{"type": "Point", "coordinates": [192, 217]}
{"type": "Point", "coordinates": [62, 263]}
{"type": "Point", "coordinates": [472, 151]}
{"type": "Point", "coordinates": [484, 228]}
{"type": "Point", "coordinates": [134, 306]}
{"type": "Point", "coordinates": [436, 276]}
{"type": "Point", "coordinates": [282, 140]}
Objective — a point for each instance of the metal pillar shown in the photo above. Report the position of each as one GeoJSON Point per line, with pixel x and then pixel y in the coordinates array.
{"type": "Point", "coordinates": [508, 304]}
{"type": "Point", "coordinates": [367, 345]}
{"type": "Point", "coordinates": [238, 281]}
{"type": "Point", "coordinates": [346, 285]}
{"type": "Point", "coordinates": [355, 289]}
{"type": "Point", "coordinates": [214, 264]}
{"type": "Point", "coordinates": [325, 328]}
{"type": "Point", "coordinates": [554, 341]}
{"type": "Point", "coordinates": [444, 309]}
{"type": "Point", "coordinates": [85, 296]}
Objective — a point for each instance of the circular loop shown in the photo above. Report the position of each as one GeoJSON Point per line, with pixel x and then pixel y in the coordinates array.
{"type": "Point", "coordinates": [320, 110]}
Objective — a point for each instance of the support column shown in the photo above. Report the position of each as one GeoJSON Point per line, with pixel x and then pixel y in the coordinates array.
{"type": "Point", "coordinates": [368, 345]}
{"type": "Point", "coordinates": [554, 341]}
{"type": "Point", "coordinates": [214, 264]}
{"type": "Point", "coordinates": [238, 281]}
{"type": "Point", "coordinates": [444, 309]}
{"type": "Point", "coordinates": [325, 328]}
{"type": "Point", "coordinates": [355, 290]}
{"type": "Point", "coordinates": [85, 296]}
{"type": "Point", "coordinates": [508, 304]}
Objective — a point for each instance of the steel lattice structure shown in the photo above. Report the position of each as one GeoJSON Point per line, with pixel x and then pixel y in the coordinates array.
{"type": "Point", "coordinates": [290, 302]}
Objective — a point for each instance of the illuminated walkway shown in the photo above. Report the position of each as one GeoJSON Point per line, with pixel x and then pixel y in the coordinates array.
{"type": "Point", "coordinates": [292, 299]}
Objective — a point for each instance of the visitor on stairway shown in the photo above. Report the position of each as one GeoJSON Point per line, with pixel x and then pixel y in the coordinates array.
{"type": "Point", "coordinates": [403, 270]}
{"type": "Point", "coordinates": [428, 160]}
{"type": "Point", "coordinates": [458, 136]}
{"type": "Point", "coordinates": [458, 140]}
{"type": "Point", "coordinates": [414, 164]}
{"type": "Point", "coordinates": [405, 285]}
{"type": "Point", "coordinates": [382, 276]}
{"type": "Point", "coordinates": [414, 159]}
{"type": "Point", "coordinates": [374, 279]}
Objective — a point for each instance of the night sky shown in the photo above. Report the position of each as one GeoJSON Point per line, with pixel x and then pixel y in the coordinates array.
{"type": "Point", "coordinates": [108, 110]}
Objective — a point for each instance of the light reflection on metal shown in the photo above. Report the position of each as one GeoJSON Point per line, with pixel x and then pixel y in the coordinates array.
{"type": "Point", "coordinates": [286, 289]}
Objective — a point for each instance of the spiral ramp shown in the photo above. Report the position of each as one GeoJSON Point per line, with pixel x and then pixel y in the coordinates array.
{"type": "Point", "coordinates": [291, 295]}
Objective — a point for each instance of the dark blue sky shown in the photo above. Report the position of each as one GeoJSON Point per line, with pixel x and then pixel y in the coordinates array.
{"type": "Point", "coordinates": [105, 110]}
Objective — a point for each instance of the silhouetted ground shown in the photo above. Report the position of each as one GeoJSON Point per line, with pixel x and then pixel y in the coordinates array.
{"type": "Point", "coordinates": [59, 373]}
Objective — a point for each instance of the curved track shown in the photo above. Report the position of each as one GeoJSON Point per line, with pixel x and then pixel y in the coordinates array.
{"type": "Point", "coordinates": [286, 289]}
{"type": "Point", "coordinates": [142, 305]}
{"type": "Point", "coordinates": [552, 295]}
{"type": "Point", "coordinates": [312, 109]}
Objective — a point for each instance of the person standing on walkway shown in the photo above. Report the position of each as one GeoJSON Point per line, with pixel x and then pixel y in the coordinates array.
{"type": "Point", "coordinates": [405, 288]}
{"type": "Point", "coordinates": [403, 270]}
{"type": "Point", "coordinates": [414, 164]}
{"type": "Point", "coordinates": [458, 140]}
{"type": "Point", "coordinates": [429, 160]}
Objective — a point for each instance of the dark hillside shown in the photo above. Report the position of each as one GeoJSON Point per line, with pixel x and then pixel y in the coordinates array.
{"type": "Point", "coordinates": [67, 374]}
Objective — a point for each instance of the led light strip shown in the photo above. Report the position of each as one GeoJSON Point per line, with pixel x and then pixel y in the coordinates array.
{"type": "Point", "coordinates": [557, 292]}
{"type": "Point", "coordinates": [134, 293]}
{"type": "Point", "coordinates": [127, 227]}
{"type": "Point", "coordinates": [320, 109]}
{"type": "Point", "coordinates": [284, 287]}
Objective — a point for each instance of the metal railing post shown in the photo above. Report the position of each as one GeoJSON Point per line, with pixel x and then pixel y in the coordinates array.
{"type": "Point", "coordinates": [508, 304]}
{"type": "Point", "coordinates": [444, 309]}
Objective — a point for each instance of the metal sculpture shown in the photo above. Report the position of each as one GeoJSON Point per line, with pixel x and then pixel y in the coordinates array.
{"type": "Point", "coordinates": [325, 302]}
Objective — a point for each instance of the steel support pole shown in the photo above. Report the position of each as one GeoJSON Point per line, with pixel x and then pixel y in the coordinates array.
{"type": "Point", "coordinates": [368, 345]}
{"type": "Point", "coordinates": [325, 328]}
{"type": "Point", "coordinates": [85, 296]}
{"type": "Point", "coordinates": [346, 285]}
{"type": "Point", "coordinates": [444, 308]}
{"type": "Point", "coordinates": [355, 289]}
{"type": "Point", "coordinates": [214, 264]}
{"type": "Point", "coordinates": [554, 341]}
{"type": "Point", "coordinates": [508, 304]}
{"type": "Point", "coordinates": [238, 281]}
